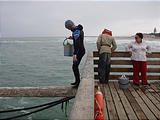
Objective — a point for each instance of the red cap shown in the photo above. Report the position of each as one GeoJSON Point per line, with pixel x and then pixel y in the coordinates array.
{"type": "Point", "coordinates": [105, 31]}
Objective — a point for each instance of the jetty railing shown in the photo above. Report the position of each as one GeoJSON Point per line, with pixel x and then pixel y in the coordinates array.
{"type": "Point", "coordinates": [118, 61]}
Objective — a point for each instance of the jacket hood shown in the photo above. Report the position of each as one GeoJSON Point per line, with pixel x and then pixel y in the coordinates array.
{"type": "Point", "coordinates": [80, 27]}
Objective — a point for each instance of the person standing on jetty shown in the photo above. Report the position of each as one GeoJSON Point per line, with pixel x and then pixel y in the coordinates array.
{"type": "Point", "coordinates": [104, 42]}
{"type": "Point", "coordinates": [139, 50]}
{"type": "Point", "coordinates": [79, 50]}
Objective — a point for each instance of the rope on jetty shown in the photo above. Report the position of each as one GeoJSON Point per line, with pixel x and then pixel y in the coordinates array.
{"type": "Point", "coordinates": [47, 105]}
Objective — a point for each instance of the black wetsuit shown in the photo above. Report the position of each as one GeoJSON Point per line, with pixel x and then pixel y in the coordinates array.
{"type": "Point", "coordinates": [79, 50]}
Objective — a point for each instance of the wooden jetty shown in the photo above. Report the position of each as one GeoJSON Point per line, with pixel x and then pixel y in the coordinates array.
{"type": "Point", "coordinates": [135, 103]}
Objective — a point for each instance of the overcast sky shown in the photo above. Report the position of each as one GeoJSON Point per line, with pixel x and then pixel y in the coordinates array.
{"type": "Point", "coordinates": [40, 18]}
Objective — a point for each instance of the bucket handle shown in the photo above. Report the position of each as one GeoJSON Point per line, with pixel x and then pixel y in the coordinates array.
{"type": "Point", "coordinates": [64, 41]}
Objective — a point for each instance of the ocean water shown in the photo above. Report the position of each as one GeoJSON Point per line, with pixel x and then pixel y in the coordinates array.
{"type": "Point", "coordinates": [40, 62]}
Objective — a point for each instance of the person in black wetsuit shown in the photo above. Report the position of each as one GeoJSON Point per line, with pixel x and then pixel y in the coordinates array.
{"type": "Point", "coordinates": [79, 50]}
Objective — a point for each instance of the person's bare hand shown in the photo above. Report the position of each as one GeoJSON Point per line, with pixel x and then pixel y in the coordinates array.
{"type": "Point", "coordinates": [70, 37]}
{"type": "Point", "coordinates": [147, 54]}
{"type": "Point", "coordinates": [130, 53]}
{"type": "Point", "coordinates": [74, 58]}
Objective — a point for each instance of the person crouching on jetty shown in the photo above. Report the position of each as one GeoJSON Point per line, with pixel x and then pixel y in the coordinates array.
{"type": "Point", "coordinates": [104, 42]}
{"type": "Point", "coordinates": [139, 50]}
{"type": "Point", "coordinates": [79, 50]}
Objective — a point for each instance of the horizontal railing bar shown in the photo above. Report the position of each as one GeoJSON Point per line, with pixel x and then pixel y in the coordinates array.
{"type": "Point", "coordinates": [115, 77]}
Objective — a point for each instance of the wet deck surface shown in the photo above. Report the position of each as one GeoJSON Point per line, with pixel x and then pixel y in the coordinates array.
{"type": "Point", "coordinates": [134, 103]}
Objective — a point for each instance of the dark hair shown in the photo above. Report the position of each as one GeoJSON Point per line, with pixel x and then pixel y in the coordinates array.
{"type": "Point", "coordinates": [140, 35]}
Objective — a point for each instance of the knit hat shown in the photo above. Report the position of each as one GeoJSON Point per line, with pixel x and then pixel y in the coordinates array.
{"type": "Point", "coordinates": [105, 31]}
{"type": "Point", "coordinates": [68, 24]}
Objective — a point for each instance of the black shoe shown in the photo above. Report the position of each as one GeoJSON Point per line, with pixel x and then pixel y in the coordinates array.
{"type": "Point", "coordinates": [146, 84]}
{"type": "Point", "coordinates": [74, 83]}
{"type": "Point", "coordinates": [106, 82]}
{"type": "Point", "coordinates": [136, 84]}
{"type": "Point", "coordinates": [103, 82]}
{"type": "Point", "coordinates": [77, 84]}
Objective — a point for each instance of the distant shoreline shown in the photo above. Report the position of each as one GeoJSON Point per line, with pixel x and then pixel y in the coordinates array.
{"type": "Point", "coordinates": [132, 38]}
{"type": "Point", "coordinates": [116, 37]}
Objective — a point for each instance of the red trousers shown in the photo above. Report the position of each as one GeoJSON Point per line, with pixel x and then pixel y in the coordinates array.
{"type": "Point", "coordinates": [139, 66]}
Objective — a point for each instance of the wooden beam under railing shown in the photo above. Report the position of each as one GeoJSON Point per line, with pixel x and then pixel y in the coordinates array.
{"type": "Point", "coordinates": [46, 91]}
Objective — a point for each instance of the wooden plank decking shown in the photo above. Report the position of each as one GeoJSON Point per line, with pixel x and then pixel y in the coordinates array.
{"type": "Point", "coordinates": [134, 103]}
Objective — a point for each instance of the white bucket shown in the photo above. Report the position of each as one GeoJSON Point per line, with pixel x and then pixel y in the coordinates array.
{"type": "Point", "coordinates": [123, 82]}
{"type": "Point", "coordinates": [68, 48]}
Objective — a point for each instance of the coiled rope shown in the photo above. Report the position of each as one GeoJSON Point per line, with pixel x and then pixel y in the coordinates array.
{"type": "Point", "coordinates": [47, 105]}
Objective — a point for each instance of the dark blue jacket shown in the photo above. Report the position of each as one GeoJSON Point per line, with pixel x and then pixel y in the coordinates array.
{"type": "Point", "coordinates": [78, 37]}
